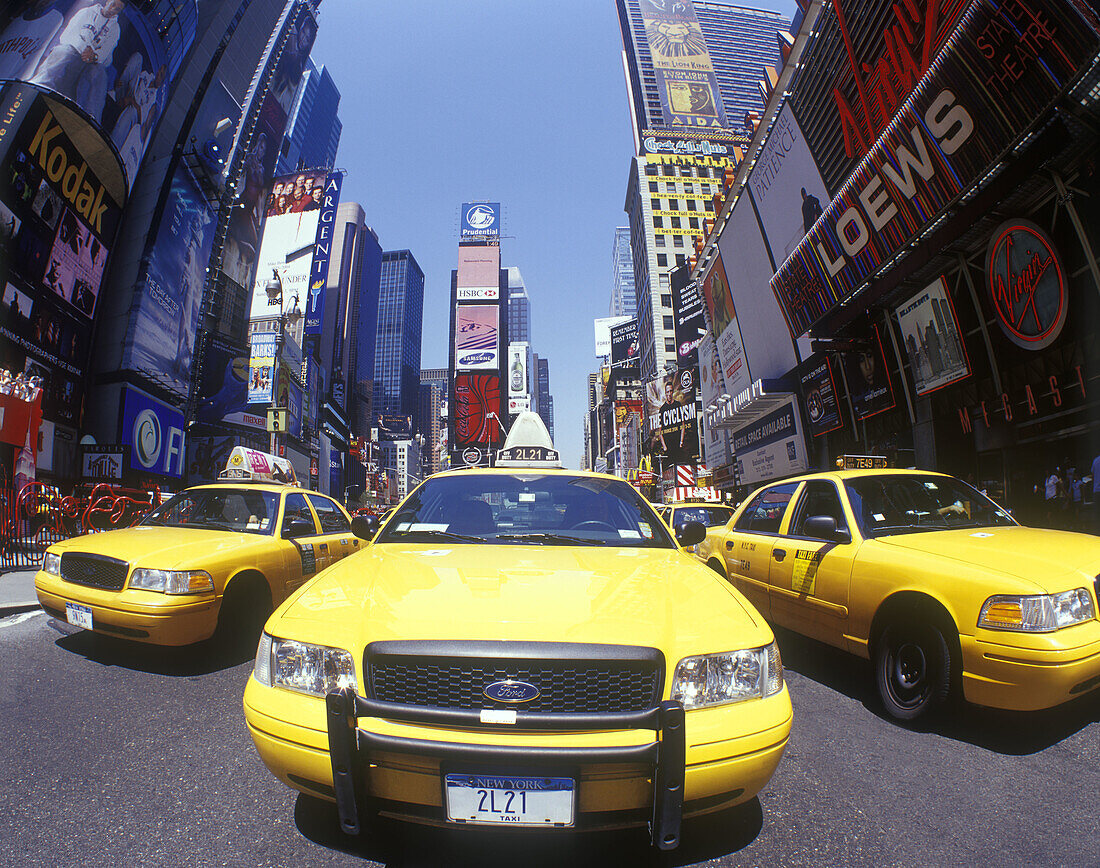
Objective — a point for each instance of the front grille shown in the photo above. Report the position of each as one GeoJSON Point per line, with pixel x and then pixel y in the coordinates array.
{"type": "Point", "coordinates": [606, 680]}
{"type": "Point", "coordinates": [95, 571]}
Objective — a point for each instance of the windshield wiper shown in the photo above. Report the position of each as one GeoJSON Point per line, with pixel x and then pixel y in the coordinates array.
{"type": "Point", "coordinates": [439, 534]}
{"type": "Point", "coordinates": [551, 538]}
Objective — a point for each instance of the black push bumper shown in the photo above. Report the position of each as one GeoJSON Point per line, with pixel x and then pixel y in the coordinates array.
{"type": "Point", "coordinates": [350, 747]}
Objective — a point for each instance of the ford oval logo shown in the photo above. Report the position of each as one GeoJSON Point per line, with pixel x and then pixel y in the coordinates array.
{"type": "Point", "coordinates": [511, 691]}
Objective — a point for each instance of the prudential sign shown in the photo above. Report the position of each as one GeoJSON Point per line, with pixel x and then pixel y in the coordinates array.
{"type": "Point", "coordinates": [480, 221]}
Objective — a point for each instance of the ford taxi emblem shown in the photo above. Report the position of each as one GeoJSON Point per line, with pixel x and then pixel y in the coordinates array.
{"type": "Point", "coordinates": [511, 691]}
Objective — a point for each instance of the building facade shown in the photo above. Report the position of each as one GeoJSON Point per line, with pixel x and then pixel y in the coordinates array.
{"type": "Point", "coordinates": [314, 125]}
{"type": "Point", "coordinates": [398, 335]}
{"type": "Point", "coordinates": [623, 300]}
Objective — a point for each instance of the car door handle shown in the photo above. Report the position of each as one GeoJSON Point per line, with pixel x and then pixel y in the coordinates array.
{"type": "Point", "coordinates": [779, 554]}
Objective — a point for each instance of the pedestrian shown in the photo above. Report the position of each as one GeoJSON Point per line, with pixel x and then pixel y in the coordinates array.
{"type": "Point", "coordinates": [1074, 486]}
{"type": "Point", "coordinates": [1054, 495]}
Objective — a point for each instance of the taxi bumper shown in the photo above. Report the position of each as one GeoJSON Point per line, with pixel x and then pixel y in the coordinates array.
{"type": "Point", "coordinates": [659, 765]}
{"type": "Point", "coordinates": [143, 616]}
{"type": "Point", "coordinates": [1031, 672]}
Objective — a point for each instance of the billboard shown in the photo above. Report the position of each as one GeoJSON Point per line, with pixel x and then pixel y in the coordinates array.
{"type": "Point", "coordinates": [716, 447]}
{"type": "Point", "coordinates": [820, 393]}
{"type": "Point", "coordinates": [164, 317]}
{"type": "Point", "coordinates": [478, 273]}
{"type": "Point", "coordinates": [261, 367]}
{"type": "Point", "coordinates": [771, 447]}
{"type": "Point", "coordinates": [786, 187]}
{"type": "Point", "coordinates": [223, 385]}
{"type": "Point", "coordinates": [517, 369]}
{"type": "Point", "coordinates": [868, 379]}
{"type": "Point", "coordinates": [689, 321]}
{"type": "Point", "coordinates": [959, 119]}
{"type": "Point", "coordinates": [602, 330]}
{"type": "Point", "coordinates": [686, 82]}
{"type": "Point", "coordinates": [930, 335]}
{"type": "Point", "coordinates": [106, 58]}
{"type": "Point", "coordinates": [624, 349]}
{"type": "Point", "coordinates": [477, 337]}
{"type": "Point", "coordinates": [322, 253]}
{"type": "Point", "coordinates": [153, 433]}
{"type": "Point", "coordinates": [727, 332]}
{"type": "Point", "coordinates": [477, 408]}
{"type": "Point", "coordinates": [673, 425]}
{"type": "Point", "coordinates": [480, 221]}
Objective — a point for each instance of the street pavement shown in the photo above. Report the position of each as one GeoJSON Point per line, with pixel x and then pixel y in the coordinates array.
{"type": "Point", "coordinates": [17, 592]}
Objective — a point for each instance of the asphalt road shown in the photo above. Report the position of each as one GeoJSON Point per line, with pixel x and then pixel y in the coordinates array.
{"type": "Point", "coordinates": [120, 755]}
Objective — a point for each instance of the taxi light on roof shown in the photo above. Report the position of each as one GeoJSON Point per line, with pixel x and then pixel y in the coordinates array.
{"type": "Point", "coordinates": [248, 465]}
{"type": "Point", "coordinates": [862, 462]}
{"type": "Point", "coordinates": [529, 444]}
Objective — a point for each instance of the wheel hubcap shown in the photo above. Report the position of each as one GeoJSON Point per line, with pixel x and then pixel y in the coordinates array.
{"type": "Point", "coordinates": [910, 666]}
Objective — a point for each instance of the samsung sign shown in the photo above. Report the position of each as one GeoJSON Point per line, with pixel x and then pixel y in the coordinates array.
{"type": "Point", "coordinates": [153, 433]}
{"type": "Point", "coordinates": [480, 220]}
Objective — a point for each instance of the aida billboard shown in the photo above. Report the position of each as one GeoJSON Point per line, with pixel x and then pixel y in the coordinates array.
{"type": "Point", "coordinates": [106, 58]}
{"type": "Point", "coordinates": [480, 221]}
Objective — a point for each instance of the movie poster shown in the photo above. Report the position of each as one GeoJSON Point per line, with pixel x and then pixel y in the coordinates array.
{"type": "Point", "coordinates": [868, 379]}
{"type": "Point", "coordinates": [820, 394]}
{"type": "Point", "coordinates": [673, 420]}
{"type": "Point", "coordinates": [726, 330]}
{"type": "Point", "coordinates": [930, 334]}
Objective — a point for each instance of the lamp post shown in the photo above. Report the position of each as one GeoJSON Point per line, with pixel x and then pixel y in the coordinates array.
{"type": "Point", "coordinates": [274, 290]}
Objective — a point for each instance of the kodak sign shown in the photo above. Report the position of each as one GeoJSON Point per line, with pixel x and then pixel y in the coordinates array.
{"type": "Point", "coordinates": [69, 175]}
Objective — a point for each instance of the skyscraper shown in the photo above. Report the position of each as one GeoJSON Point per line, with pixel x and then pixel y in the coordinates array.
{"type": "Point", "coordinates": [623, 301]}
{"type": "Point", "coordinates": [519, 314]}
{"type": "Point", "coordinates": [397, 347]}
{"type": "Point", "coordinates": [684, 151]}
{"type": "Point", "coordinates": [542, 401]}
{"type": "Point", "coordinates": [313, 129]}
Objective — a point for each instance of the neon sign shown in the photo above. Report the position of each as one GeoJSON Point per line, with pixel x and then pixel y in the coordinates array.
{"type": "Point", "coordinates": [1027, 285]}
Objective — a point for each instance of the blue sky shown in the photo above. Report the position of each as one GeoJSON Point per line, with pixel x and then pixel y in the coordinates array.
{"type": "Point", "coordinates": [514, 101]}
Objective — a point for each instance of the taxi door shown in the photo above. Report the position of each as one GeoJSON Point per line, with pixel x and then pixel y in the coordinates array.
{"type": "Point", "coordinates": [336, 540]}
{"type": "Point", "coordinates": [306, 558]}
{"type": "Point", "coordinates": [809, 576]}
{"type": "Point", "coordinates": [747, 547]}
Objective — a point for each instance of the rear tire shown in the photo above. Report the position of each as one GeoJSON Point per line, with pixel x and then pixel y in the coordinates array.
{"type": "Point", "coordinates": [912, 669]}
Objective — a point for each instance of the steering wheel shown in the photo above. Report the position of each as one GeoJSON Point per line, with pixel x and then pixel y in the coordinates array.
{"type": "Point", "coordinates": [593, 524]}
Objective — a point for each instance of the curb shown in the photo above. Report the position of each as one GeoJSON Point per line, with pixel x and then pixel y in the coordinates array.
{"type": "Point", "coordinates": [18, 609]}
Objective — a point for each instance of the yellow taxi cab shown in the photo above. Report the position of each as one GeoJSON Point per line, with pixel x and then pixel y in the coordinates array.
{"type": "Point", "coordinates": [521, 646]}
{"type": "Point", "coordinates": [707, 513]}
{"type": "Point", "coordinates": [212, 560]}
{"type": "Point", "coordinates": [927, 577]}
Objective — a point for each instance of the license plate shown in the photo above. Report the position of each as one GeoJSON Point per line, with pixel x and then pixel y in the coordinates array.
{"type": "Point", "coordinates": [512, 800]}
{"type": "Point", "coordinates": [78, 616]}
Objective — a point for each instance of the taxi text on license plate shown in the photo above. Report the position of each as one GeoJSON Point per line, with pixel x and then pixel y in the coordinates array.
{"type": "Point", "coordinates": [517, 800]}
{"type": "Point", "coordinates": [78, 616]}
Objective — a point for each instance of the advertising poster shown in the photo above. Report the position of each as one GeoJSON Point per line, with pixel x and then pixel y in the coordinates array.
{"type": "Point", "coordinates": [154, 434]}
{"type": "Point", "coordinates": [786, 187]}
{"type": "Point", "coordinates": [689, 319]}
{"type": "Point", "coordinates": [771, 447]}
{"type": "Point", "coordinates": [868, 379]}
{"type": "Point", "coordinates": [480, 221]}
{"type": "Point", "coordinates": [685, 75]}
{"type": "Point", "coordinates": [930, 334]}
{"type": "Point", "coordinates": [478, 273]}
{"type": "Point", "coordinates": [322, 253]}
{"type": "Point", "coordinates": [292, 62]}
{"type": "Point", "coordinates": [477, 336]}
{"type": "Point", "coordinates": [224, 380]}
{"type": "Point", "coordinates": [208, 456]}
{"type": "Point", "coordinates": [291, 219]}
{"type": "Point", "coordinates": [723, 317]}
{"type": "Point", "coordinates": [107, 58]}
{"type": "Point", "coordinates": [165, 314]}
{"type": "Point", "coordinates": [602, 330]}
{"type": "Point", "coordinates": [673, 417]}
{"type": "Point", "coordinates": [261, 367]}
{"type": "Point", "coordinates": [477, 407]}
{"type": "Point", "coordinates": [716, 449]}
{"type": "Point", "coordinates": [517, 369]}
{"type": "Point", "coordinates": [624, 349]}
{"type": "Point", "coordinates": [820, 393]}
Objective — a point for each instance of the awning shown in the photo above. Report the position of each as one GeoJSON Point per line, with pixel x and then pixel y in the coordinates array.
{"type": "Point", "coordinates": [760, 399]}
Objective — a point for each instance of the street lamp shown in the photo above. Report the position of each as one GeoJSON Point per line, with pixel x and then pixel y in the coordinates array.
{"type": "Point", "coordinates": [274, 290]}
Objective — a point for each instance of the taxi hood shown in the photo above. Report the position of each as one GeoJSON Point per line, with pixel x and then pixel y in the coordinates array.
{"type": "Point", "coordinates": [166, 548]}
{"type": "Point", "coordinates": [1048, 558]}
{"type": "Point", "coordinates": [630, 596]}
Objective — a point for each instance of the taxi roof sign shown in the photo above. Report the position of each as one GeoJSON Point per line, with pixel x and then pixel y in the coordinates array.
{"type": "Point", "coordinates": [862, 462]}
{"type": "Point", "coordinates": [248, 465]}
{"type": "Point", "coordinates": [529, 445]}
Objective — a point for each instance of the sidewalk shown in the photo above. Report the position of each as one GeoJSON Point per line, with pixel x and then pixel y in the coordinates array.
{"type": "Point", "coordinates": [17, 592]}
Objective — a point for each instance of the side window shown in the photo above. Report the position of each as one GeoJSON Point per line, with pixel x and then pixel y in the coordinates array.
{"type": "Point", "coordinates": [819, 498]}
{"type": "Point", "coordinates": [296, 507]}
{"type": "Point", "coordinates": [765, 511]}
{"type": "Point", "coordinates": [332, 519]}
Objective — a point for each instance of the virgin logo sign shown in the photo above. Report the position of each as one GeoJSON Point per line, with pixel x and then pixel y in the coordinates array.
{"type": "Point", "coordinates": [1027, 284]}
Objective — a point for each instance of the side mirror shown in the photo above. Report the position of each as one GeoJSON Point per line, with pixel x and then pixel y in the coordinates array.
{"type": "Point", "coordinates": [824, 527]}
{"type": "Point", "coordinates": [365, 526]}
{"type": "Point", "coordinates": [298, 527]}
{"type": "Point", "coordinates": [690, 533]}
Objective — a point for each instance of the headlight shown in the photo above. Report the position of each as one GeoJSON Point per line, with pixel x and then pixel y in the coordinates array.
{"type": "Point", "coordinates": [51, 564]}
{"type": "Point", "coordinates": [715, 679]}
{"type": "Point", "coordinates": [173, 581]}
{"type": "Point", "coordinates": [1037, 614]}
{"type": "Point", "coordinates": [313, 669]}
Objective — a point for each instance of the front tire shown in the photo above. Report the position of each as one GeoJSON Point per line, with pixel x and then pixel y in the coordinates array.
{"type": "Point", "coordinates": [244, 611]}
{"type": "Point", "coordinates": [912, 669]}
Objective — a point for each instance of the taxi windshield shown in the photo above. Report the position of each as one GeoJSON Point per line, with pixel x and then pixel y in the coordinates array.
{"type": "Point", "coordinates": [910, 503]}
{"type": "Point", "coordinates": [709, 516]}
{"type": "Point", "coordinates": [526, 508]}
{"type": "Point", "coordinates": [229, 509]}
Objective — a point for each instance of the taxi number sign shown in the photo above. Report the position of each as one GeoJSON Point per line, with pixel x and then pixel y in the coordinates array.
{"type": "Point", "coordinates": [509, 800]}
{"type": "Point", "coordinates": [528, 453]}
{"type": "Point", "coordinates": [862, 462]}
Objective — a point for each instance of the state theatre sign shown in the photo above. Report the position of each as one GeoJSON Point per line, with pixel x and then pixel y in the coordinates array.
{"type": "Point", "coordinates": [1026, 283]}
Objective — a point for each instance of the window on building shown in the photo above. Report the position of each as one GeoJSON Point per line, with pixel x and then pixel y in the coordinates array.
{"type": "Point", "coordinates": [676, 223]}
{"type": "Point", "coordinates": [650, 169]}
{"type": "Point", "coordinates": [689, 189]}
{"type": "Point", "coordinates": [670, 345]}
{"type": "Point", "coordinates": [668, 324]}
{"type": "Point", "coordinates": [658, 221]}
{"type": "Point", "coordinates": [662, 259]}
{"type": "Point", "coordinates": [666, 300]}
{"type": "Point", "coordinates": [660, 240]}
{"type": "Point", "coordinates": [670, 187]}
{"type": "Point", "coordinates": [681, 258]}
{"type": "Point", "coordinates": [655, 204]}
{"type": "Point", "coordinates": [692, 205]}
{"type": "Point", "coordinates": [673, 204]}
{"type": "Point", "coordinates": [677, 240]}
{"type": "Point", "coordinates": [652, 186]}
{"type": "Point", "coordinates": [668, 170]}
{"type": "Point", "coordinates": [662, 280]}
{"type": "Point", "coordinates": [709, 205]}
{"type": "Point", "coordinates": [693, 222]}
{"type": "Point", "coordinates": [704, 189]}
